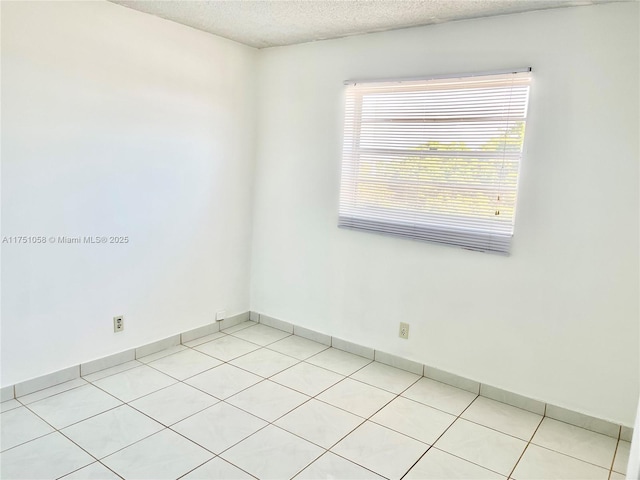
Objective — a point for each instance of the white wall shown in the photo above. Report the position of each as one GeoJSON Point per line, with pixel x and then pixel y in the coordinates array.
{"type": "Point", "coordinates": [115, 122]}
{"type": "Point", "coordinates": [558, 319]}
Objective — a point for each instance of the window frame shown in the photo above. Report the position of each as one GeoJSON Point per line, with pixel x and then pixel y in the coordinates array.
{"type": "Point", "coordinates": [464, 231]}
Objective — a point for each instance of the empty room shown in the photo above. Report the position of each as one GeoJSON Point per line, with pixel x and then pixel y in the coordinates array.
{"type": "Point", "coordinates": [321, 239]}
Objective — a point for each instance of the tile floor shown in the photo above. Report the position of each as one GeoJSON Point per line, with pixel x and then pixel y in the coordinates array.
{"type": "Point", "coordinates": [253, 401]}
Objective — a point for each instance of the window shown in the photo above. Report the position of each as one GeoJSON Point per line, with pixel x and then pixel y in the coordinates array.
{"type": "Point", "coordinates": [436, 159]}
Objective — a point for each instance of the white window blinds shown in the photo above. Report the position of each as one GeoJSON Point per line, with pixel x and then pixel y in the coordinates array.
{"type": "Point", "coordinates": [435, 160]}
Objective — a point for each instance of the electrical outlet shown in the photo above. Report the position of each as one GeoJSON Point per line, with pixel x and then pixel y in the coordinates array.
{"type": "Point", "coordinates": [118, 324]}
{"type": "Point", "coordinates": [404, 330]}
{"type": "Point", "coordinates": [221, 315]}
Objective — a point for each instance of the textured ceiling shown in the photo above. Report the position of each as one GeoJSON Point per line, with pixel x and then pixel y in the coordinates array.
{"type": "Point", "coordinates": [268, 23]}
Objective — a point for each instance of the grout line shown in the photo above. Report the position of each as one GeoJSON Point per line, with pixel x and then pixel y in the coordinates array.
{"type": "Point", "coordinates": [137, 441]}
{"type": "Point", "coordinates": [141, 359]}
{"type": "Point", "coordinates": [53, 394]}
{"type": "Point", "coordinates": [470, 461]}
{"type": "Point", "coordinates": [208, 450]}
{"type": "Point", "coordinates": [297, 358]}
{"type": "Point", "coordinates": [581, 428]}
{"type": "Point", "coordinates": [271, 424]}
{"type": "Point", "coordinates": [164, 388]}
{"type": "Point", "coordinates": [32, 439]}
{"type": "Point", "coordinates": [93, 416]}
{"type": "Point", "coordinates": [244, 340]}
{"type": "Point", "coordinates": [217, 401]}
{"type": "Point", "coordinates": [615, 452]}
{"type": "Point", "coordinates": [254, 373]}
{"type": "Point", "coordinates": [218, 398]}
{"type": "Point", "coordinates": [108, 468]}
{"type": "Point", "coordinates": [525, 448]}
{"type": "Point", "coordinates": [327, 452]}
{"type": "Point", "coordinates": [222, 459]}
{"type": "Point", "coordinates": [333, 371]}
{"type": "Point", "coordinates": [27, 406]}
{"type": "Point", "coordinates": [493, 428]}
{"type": "Point", "coordinates": [56, 430]}
{"type": "Point", "coordinates": [442, 434]}
{"type": "Point", "coordinates": [417, 461]}
{"type": "Point", "coordinates": [569, 456]}
{"type": "Point", "coordinates": [77, 470]}
{"type": "Point", "coordinates": [279, 417]}
{"type": "Point", "coordinates": [112, 374]}
{"type": "Point", "coordinates": [224, 334]}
